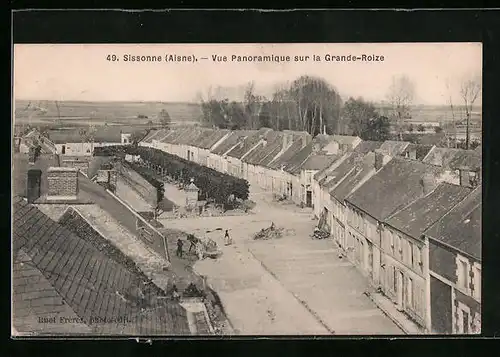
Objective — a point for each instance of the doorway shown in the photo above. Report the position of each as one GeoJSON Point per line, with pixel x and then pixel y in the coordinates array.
{"type": "Point", "coordinates": [309, 198]}
{"type": "Point", "coordinates": [63, 149]}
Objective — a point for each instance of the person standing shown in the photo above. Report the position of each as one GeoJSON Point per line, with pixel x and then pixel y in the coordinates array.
{"type": "Point", "coordinates": [227, 238]}
{"type": "Point", "coordinates": [180, 243]}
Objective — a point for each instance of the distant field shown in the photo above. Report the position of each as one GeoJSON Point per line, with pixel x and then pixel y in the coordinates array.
{"type": "Point", "coordinates": [437, 113]}
{"type": "Point", "coordinates": [45, 112]}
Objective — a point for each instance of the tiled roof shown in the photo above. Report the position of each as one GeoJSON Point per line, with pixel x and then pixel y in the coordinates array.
{"type": "Point", "coordinates": [454, 158]}
{"type": "Point", "coordinates": [415, 218]}
{"type": "Point", "coordinates": [154, 135]}
{"type": "Point", "coordinates": [362, 148]}
{"type": "Point", "coordinates": [319, 161]}
{"type": "Point", "coordinates": [92, 283]}
{"type": "Point", "coordinates": [362, 170]}
{"type": "Point", "coordinates": [109, 133]}
{"type": "Point", "coordinates": [248, 143]}
{"type": "Point", "coordinates": [461, 227]}
{"type": "Point", "coordinates": [421, 150]}
{"type": "Point", "coordinates": [393, 187]}
{"type": "Point", "coordinates": [288, 155]}
{"type": "Point", "coordinates": [235, 137]}
{"type": "Point", "coordinates": [393, 148]}
{"type": "Point", "coordinates": [268, 151]}
{"type": "Point", "coordinates": [294, 164]}
{"type": "Point", "coordinates": [367, 146]}
{"type": "Point", "coordinates": [332, 178]}
{"type": "Point", "coordinates": [212, 138]}
{"type": "Point", "coordinates": [345, 139]}
{"type": "Point", "coordinates": [33, 297]}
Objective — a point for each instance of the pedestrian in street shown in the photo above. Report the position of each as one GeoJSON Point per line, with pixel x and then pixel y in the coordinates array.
{"type": "Point", "coordinates": [180, 243]}
{"type": "Point", "coordinates": [227, 238]}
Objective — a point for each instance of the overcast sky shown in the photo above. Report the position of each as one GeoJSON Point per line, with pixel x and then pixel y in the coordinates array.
{"type": "Point", "coordinates": [81, 72]}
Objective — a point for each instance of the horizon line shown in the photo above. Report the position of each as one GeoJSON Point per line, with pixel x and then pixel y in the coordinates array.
{"type": "Point", "coordinates": [195, 102]}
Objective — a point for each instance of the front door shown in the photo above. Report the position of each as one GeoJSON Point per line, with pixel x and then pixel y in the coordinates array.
{"type": "Point", "coordinates": [309, 199]}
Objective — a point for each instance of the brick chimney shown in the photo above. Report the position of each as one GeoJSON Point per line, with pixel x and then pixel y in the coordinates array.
{"type": "Point", "coordinates": [63, 183]}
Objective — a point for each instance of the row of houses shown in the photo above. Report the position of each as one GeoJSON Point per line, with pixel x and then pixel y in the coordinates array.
{"type": "Point", "coordinates": [61, 143]}
{"type": "Point", "coordinates": [408, 215]}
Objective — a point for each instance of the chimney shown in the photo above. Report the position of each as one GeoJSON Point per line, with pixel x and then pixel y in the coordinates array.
{"type": "Point", "coordinates": [63, 183]}
{"type": "Point", "coordinates": [464, 176]}
{"type": "Point", "coordinates": [287, 140]}
{"type": "Point", "coordinates": [428, 183]}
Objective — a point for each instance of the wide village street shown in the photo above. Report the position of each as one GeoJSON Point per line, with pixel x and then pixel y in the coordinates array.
{"type": "Point", "coordinates": [289, 285]}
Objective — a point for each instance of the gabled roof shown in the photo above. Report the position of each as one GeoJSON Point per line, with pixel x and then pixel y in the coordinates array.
{"type": "Point", "coordinates": [90, 281]}
{"type": "Point", "coordinates": [367, 146]}
{"type": "Point", "coordinates": [454, 158]}
{"type": "Point", "coordinates": [345, 139]}
{"type": "Point", "coordinates": [362, 170]}
{"type": "Point", "coordinates": [211, 138]}
{"type": "Point", "coordinates": [293, 165]}
{"type": "Point", "coordinates": [154, 135]}
{"type": "Point", "coordinates": [336, 175]}
{"type": "Point", "coordinates": [288, 155]}
{"type": "Point", "coordinates": [393, 148]}
{"type": "Point", "coordinates": [228, 143]}
{"type": "Point", "coordinates": [393, 187]}
{"type": "Point", "coordinates": [420, 150]}
{"type": "Point", "coordinates": [103, 133]}
{"type": "Point", "coordinates": [415, 218]}
{"type": "Point", "coordinates": [319, 161]}
{"type": "Point", "coordinates": [274, 143]}
{"type": "Point", "coordinates": [248, 143]}
{"type": "Point", "coordinates": [461, 227]}
{"type": "Point", "coordinates": [362, 148]}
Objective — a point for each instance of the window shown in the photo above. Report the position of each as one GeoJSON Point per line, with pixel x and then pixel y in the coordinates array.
{"type": "Point", "coordinates": [398, 245]}
{"type": "Point", "coordinates": [391, 241]}
{"type": "Point", "coordinates": [410, 292]}
{"type": "Point", "coordinates": [463, 274]}
{"type": "Point", "coordinates": [477, 282]}
{"type": "Point", "coordinates": [410, 252]}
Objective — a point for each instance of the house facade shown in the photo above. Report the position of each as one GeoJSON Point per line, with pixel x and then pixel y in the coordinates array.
{"type": "Point", "coordinates": [455, 268]}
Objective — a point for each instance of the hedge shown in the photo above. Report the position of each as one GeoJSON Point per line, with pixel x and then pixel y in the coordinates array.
{"type": "Point", "coordinates": [148, 176]}
{"type": "Point", "coordinates": [212, 184]}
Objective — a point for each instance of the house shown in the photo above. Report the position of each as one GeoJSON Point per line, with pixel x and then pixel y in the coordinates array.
{"type": "Point", "coordinates": [64, 282]}
{"type": "Point", "coordinates": [460, 165]}
{"type": "Point", "coordinates": [455, 268]}
{"type": "Point", "coordinates": [210, 141]}
{"type": "Point", "coordinates": [218, 159]}
{"type": "Point", "coordinates": [28, 142]}
{"type": "Point", "coordinates": [360, 168]}
{"type": "Point", "coordinates": [321, 179]}
{"type": "Point", "coordinates": [75, 142]}
{"type": "Point", "coordinates": [256, 162]}
{"type": "Point", "coordinates": [237, 154]}
{"type": "Point", "coordinates": [416, 151]}
{"type": "Point", "coordinates": [283, 182]}
{"type": "Point", "coordinates": [404, 273]}
{"type": "Point", "coordinates": [126, 138]}
{"type": "Point", "coordinates": [397, 184]}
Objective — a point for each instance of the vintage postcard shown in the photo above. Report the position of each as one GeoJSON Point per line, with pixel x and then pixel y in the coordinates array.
{"type": "Point", "coordinates": [246, 189]}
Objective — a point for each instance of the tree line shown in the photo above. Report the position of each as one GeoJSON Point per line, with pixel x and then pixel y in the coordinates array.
{"type": "Point", "coordinates": [312, 104]}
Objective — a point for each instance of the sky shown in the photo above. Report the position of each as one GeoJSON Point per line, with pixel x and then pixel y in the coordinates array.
{"type": "Point", "coordinates": [83, 73]}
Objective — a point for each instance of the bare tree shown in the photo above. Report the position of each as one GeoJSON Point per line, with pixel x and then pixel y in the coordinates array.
{"type": "Point", "coordinates": [470, 90]}
{"type": "Point", "coordinates": [400, 96]}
